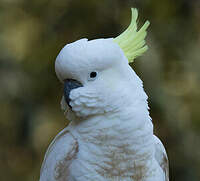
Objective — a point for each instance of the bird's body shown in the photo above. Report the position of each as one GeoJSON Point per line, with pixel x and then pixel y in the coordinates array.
{"type": "Point", "coordinates": [110, 137]}
{"type": "Point", "coordinates": [89, 151]}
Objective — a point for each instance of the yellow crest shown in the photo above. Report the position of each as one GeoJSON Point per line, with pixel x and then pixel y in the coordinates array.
{"type": "Point", "coordinates": [132, 41]}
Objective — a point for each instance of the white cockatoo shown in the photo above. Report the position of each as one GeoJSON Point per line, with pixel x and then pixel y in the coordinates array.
{"type": "Point", "coordinates": [110, 136]}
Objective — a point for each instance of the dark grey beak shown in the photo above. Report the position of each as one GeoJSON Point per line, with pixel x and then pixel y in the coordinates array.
{"type": "Point", "coordinates": [70, 84]}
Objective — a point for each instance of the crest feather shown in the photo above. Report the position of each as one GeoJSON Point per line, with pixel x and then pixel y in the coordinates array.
{"type": "Point", "coordinates": [132, 41]}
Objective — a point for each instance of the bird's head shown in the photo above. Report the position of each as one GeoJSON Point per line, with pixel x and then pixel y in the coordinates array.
{"type": "Point", "coordinates": [96, 74]}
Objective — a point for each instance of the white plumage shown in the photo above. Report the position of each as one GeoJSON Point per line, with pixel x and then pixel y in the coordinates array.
{"type": "Point", "coordinates": [110, 136]}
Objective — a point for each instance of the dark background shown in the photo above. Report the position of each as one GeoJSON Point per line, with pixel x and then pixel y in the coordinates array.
{"type": "Point", "coordinates": [32, 32]}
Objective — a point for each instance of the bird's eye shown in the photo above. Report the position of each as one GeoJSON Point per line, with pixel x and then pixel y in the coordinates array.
{"type": "Point", "coordinates": [92, 75]}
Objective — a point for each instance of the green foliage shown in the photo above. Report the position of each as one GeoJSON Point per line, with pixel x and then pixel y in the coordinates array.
{"type": "Point", "coordinates": [33, 32]}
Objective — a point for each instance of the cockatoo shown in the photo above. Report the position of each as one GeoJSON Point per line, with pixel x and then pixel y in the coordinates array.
{"type": "Point", "coordinates": [110, 136]}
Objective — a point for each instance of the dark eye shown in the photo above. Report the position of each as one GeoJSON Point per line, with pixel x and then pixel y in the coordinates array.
{"type": "Point", "coordinates": [92, 75]}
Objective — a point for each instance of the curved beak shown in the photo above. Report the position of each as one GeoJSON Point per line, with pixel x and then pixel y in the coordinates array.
{"type": "Point", "coordinates": [70, 84]}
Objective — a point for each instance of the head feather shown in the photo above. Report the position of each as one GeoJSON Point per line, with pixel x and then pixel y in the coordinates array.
{"type": "Point", "coordinates": [132, 41]}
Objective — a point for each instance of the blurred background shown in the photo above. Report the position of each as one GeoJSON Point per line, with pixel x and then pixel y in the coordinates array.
{"type": "Point", "coordinates": [33, 32]}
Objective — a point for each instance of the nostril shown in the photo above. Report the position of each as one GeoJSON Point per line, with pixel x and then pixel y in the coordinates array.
{"type": "Point", "coordinates": [70, 84]}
